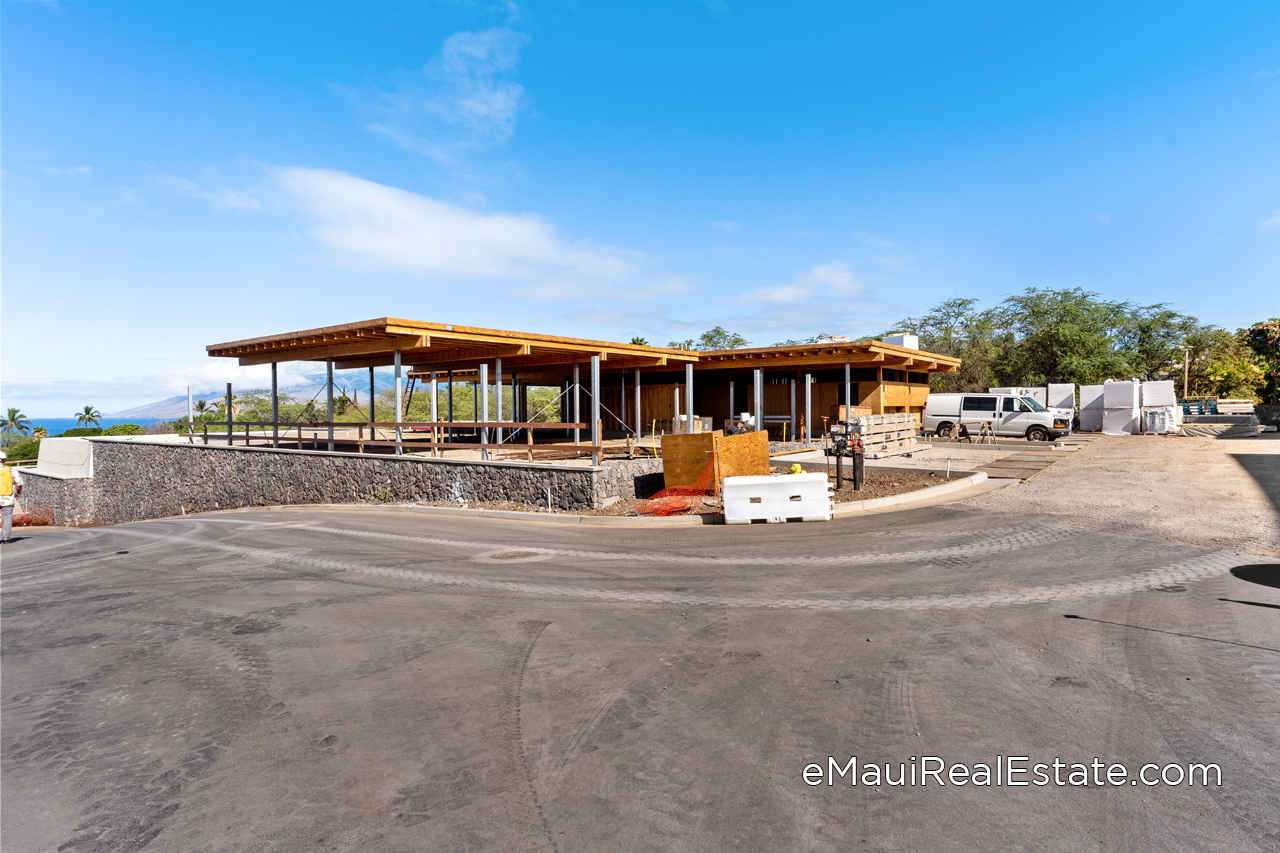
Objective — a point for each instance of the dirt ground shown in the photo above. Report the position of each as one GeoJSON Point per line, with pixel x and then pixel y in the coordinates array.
{"type": "Point", "coordinates": [1223, 493]}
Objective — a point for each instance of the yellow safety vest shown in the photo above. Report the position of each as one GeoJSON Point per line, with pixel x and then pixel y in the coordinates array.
{"type": "Point", "coordinates": [6, 481]}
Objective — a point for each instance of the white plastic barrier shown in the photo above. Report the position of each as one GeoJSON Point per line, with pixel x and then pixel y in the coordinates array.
{"type": "Point", "coordinates": [777, 498]}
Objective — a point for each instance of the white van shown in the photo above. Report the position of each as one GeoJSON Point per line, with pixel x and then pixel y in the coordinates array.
{"type": "Point", "coordinates": [1009, 415]}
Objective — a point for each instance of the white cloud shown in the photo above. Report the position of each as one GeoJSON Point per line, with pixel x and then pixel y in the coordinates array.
{"type": "Point", "coordinates": [370, 224]}
{"type": "Point", "coordinates": [1267, 72]}
{"type": "Point", "coordinates": [70, 171]}
{"type": "Point", "coordinates": [1103, 217]}
{"type": "Point", "coordinates": [460, 101]}
{"type": "Point", "coordinates": [731, 227]}
{"type": "Point", "coordinates": [835, 280]}
{"type": "Point", "coordinates": [1273, 222]}
{"type": "Point", "coordinates": [897, 263]}
{"type": "Point", "coordinates": [223, 197]}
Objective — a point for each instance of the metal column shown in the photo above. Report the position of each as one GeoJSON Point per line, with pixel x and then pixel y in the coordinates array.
{"type": "Point", "coordinates": [577, 413]}
{"type": "Point", "coordinates": [399, 402]}
{"type": "Point", "coordinates": [688, 396]}
{"type": "Point", "coordinates": [732, 413]}
{"type": "Point", "coordinates": [191, 411]}
{"type": "Point", "coordinates": [228, 414]}
{"type": "Point", "coordinates": [435, 413]}
{"type": "Point", "coordinates": [759, 401]}
{"type": "Point", "coordinates": [484, 409]}
{"type": "Point", "coordinates": [595, 408]}
{"type": "Point", "coordinates": [449, 380]}
{"type": "Point", "coordinates": [622, 416]}
{"type": "Point", "coordinates": [848, 391]}
{"type": "Point", "coordinates": [275, 408]}
{"type": "Point", "coordinates": [373, 397]}
{"type": "Point", "coordinates": [792, 427]}
{"type": "Point", "coordinates": [808, 407]}
{"type": "Point", "coordinates": [639, 422]}
{"type": "Point", "coordinates": [497, 380]}
{"type": "Point", "coordinates": [328, 363]}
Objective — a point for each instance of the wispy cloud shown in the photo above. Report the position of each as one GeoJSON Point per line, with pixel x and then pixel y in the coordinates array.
{"type": "Point", "coordinates": [731, 227]}
{"type": "Point", "coordinates": [1103, 217]}
{"type": "Point", "coordinates": [1273, 222]}
{"type": "Point", "coordinates": [1267, 73]}
{"type": "Point", "coordinates": [460, 101]}
{"type": "Point", "coordinates": [897, 263]}
{"type": "Point", "coordinates": [221, 195]}
{"type": "Point", "coordinates": [70, 171]}
{"type": "Point", "coordinates": [835, 280]}
{"type": "Point", "coordinates": [370, 224]}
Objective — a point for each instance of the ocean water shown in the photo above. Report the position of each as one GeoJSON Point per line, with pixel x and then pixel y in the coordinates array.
{"type": "Point", "coordinates": [57, 425]}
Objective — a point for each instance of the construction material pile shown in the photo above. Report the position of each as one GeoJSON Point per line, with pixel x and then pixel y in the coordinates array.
{"type": "Point", "coordinates": [885, 435]}
{"type": "Point", "coordinates": [700, 496]}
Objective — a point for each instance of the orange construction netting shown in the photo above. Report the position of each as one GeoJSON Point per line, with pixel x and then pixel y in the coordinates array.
{"type": "Point", "coordinates": [703, 496]}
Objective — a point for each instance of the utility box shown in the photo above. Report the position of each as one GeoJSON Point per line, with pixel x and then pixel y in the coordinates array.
{"type": "Point", "coordinates": [904, 340]}
{"type": "Point", "coordinates": [777, 499]}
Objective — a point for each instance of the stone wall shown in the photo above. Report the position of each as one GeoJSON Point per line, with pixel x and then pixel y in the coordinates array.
{"type": "Point", "coordinates": [137, 480]}
{"type": "Point", "coordinates": [71, 498]}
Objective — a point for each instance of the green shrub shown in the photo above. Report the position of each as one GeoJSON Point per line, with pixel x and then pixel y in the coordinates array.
{"type": "Point", "coordinates": [28, 448]}
{"type": "Point", "coordinates": [123, 429]}
{"type": "Point", "coordinates": [80, 432]}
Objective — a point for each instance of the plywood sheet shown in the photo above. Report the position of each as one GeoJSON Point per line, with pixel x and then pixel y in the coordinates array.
{"type": "Point", "coordinates": [685, 456]}
{"type": "Point", "coordinates": [744, 455]}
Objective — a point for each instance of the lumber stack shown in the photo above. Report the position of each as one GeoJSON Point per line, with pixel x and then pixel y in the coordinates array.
{"type": "Point", "coordinates": [887, 434]}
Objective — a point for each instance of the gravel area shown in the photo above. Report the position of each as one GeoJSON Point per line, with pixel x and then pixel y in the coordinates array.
{"type": "Point", "coordinates": [1223, 493]}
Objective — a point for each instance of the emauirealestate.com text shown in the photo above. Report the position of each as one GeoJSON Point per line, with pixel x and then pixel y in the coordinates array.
{"type": "Point", "coordinates": [1013, 771]}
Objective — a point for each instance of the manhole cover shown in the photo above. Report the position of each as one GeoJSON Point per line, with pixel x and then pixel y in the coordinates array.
{"type": "Point", "coordinates": [513, 555]}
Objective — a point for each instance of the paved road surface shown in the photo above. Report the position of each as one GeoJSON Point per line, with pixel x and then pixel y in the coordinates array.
{"type": "Point", "coordinates": [378, 681]}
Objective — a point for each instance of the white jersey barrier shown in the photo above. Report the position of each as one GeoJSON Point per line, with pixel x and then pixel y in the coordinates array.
{"type": "Point", "coordinates": [777, 498]}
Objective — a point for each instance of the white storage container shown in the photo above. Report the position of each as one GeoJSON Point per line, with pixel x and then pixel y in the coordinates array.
{"type": "Point", "coordinates": [1159, 393]}
{"type": "Point", "coordinates": [1121, 421]}
{"type": "Point", "coordinates": [777, 498]}
{"type": "Point", "coordinates": [1121, 395]}
{"type": "Point", "coordinates": [1062, 396]}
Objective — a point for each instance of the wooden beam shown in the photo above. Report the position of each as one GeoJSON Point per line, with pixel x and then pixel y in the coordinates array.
{"type": "Point", "coordinates": [339, 350]}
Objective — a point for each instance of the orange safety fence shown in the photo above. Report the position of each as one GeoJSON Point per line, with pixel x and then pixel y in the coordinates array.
{"type": "Point", "coordinates": [703, 496]}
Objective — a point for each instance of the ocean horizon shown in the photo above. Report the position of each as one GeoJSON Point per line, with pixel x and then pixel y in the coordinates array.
{"type": "Point", "coordinates": [57, 425]}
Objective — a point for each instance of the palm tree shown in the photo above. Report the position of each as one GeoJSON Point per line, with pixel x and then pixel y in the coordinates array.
{"type": "Point", "coordinates": [90, 416]}
{"type": "Point", "coordinates": [40, 432]}
{"type": "Point", "coordinates": [16, 422]}
{"type": "Point", "coordinates": [201, 406]}
{"type": "Point", "coordinates": [639, 341]}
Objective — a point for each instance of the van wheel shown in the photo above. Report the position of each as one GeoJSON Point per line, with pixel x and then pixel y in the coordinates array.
{"type": "Point", "coordinates": [1037, 434]}
{"type": "Point", "coordinates": [944, 430]}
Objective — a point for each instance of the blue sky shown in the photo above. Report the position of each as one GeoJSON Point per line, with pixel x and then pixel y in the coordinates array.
{"type": "Point", "coordinates": [180, 174]}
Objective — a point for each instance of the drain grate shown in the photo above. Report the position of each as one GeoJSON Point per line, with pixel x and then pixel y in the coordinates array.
{"type": "Point", "coordinates": [513, 555]}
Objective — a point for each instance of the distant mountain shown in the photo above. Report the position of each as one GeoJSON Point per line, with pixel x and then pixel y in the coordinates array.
{"type": "Point", "coordinates": [174, 407]}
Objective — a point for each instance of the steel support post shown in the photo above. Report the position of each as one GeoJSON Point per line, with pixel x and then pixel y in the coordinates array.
{"type": "Point", "coordinates": [848, 391]}
{"type": "Point", "coordinates": [328, 364]}
{"type": "Point", "coordinates": [228, 414]}
{"type": "Point", "coordinates": [688, 396]}
{"type": "Point", "coordinates": [808, 407]}
{"type": "Point", "coordinates": [399, 401]}
{"type": "Point", "coordinates": [732, 413]}
{"type": "Point", "coordinates": [483, 390]}
{"type": "Point", "coordinates": [595, 408]}
{"type": "Point", "coordinates": [275, 407]}
{"type": "Point", "coordinates": [759, 401]}
{"type": "Point", "coordinates": [449, 382]}
{"type": "Point", "coordinates": [792, 427]}
{"type": "Point", "coordinates": [577, 412]}
{"type": "Point", "coordinates": [497, 381]}
{"type": "Point", "coordinates": [191, 412]}
{"type": "Point", "coordinates": [639, 420]}
{"type": "Point", "coordinates": [435, 413]}
{"type": "Point", "coordinates": [373, 399]}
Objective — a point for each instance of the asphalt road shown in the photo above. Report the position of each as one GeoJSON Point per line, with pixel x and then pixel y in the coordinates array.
{"type": "Point", "coordinates": [327, 680]}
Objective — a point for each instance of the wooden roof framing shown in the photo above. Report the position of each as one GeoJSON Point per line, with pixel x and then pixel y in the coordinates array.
{"type": "Point", "coordinates": [438, 346]}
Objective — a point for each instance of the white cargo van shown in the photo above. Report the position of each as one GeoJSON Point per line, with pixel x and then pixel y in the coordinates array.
{"type": "Point", "coordinates": [1009, 415]}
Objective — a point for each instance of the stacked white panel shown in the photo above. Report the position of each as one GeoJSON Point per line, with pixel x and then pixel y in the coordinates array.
{"type": "Point", "coordinates": [1121, 421]}
{"type": "Point", "coordinates": [1090, 407]}
{"type": "Point", "coordinates": [1062, 396]}
{"type": "Point", "coordinates": [1159, 393]}
{"type": "Point", "coordinates": [1121, 395]}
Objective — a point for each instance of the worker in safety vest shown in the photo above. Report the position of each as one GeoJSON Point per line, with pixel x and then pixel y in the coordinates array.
{"type": "Point", "coordinates": [10, 488]}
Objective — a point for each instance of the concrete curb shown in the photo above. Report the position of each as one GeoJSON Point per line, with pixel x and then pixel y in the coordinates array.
{"type": "Point", "coordinates": [855, 507]}
{"type": "Point", "coordinates": [842, 510]}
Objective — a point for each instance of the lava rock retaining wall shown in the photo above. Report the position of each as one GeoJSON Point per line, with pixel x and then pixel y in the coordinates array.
{"type": "Point", "coordinates": [71, 498]}
{"type": "Point", "coordinates": [136, 480]}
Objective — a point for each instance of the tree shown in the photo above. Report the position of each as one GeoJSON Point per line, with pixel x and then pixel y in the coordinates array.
{"type": "Point", "coordinates": [200, 406]}
{"type": "Point", "coordinates": [1063, 336]}
{"type": "Point", "coordinates": [680, 344]}
{"type": "Point", "coordinates": [1220, 364]}
{"type": "Point", "coordinates": [958, 329]}
{"type": "Point", "coordinates": [718, 339]}
{"type": "Point", "coordinates": [639, 341]}
{"type": "Point", "coordinates": [40, 432]}
{"type": "Point", "coordinates": [88, 417]}
{"type": "Point", "coordinates": [1264, 339]}
{"type": "Point", "coordinates": [1154, 337]}
{"type": "Point", "coordinates": [17, 422]}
